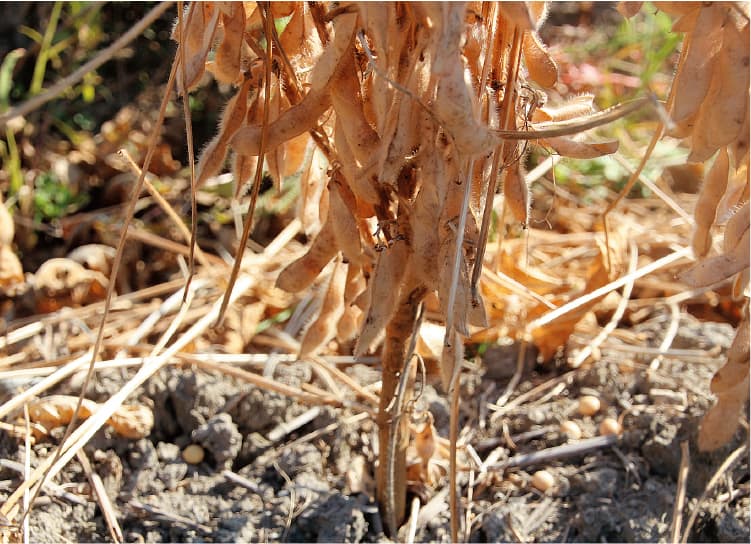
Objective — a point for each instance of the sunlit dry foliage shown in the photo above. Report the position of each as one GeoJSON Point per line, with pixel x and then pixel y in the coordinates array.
{"type": "Point", "coordinates": [711, 108]}
{"type": "Point", "coordinates": [419, 111]}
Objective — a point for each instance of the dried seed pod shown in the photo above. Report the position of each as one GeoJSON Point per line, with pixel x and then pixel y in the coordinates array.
{"type": "Point", "coordinates": [226, 65]}
{"type": "Point", "coordinates": [323, 328]}
{"type": "Point", "coordinates": [706, 205]}
{"type": "Point", "coordinates": [213, 155]}
{"type": "Point", "coordinates": [341, 208]}
{"type": "Point", "coordinates": [577, 106]}
{"type": "Point", "coordinates": [386, 288]}
{"type": "Point", "coordinates": [518, 14]}
{"type": "Point", "coordinates": [302, 272]}
{"type": "Point", "coordinates": [454, 102]}
{"type": "Point", "coordinates": [723, 112]}
{"type": "Point", "coordinates": [349, 324]}
{"type": "Point", "coordinates": [196, 38]}
{"type": "Point", "coordinates": [292, 122]}
{"type": "Point", "coordinates": [739, 147]}
{"type": "Point", "coordinates": [694, 78]}
{"type": "Point", "coordinates": [721, 421]}
{"type": "Point", "coordinates": [570, 147]}
{"type": "Point", "coordinates": [347, 101]}
{"type": "Point", "coordinates": [516, 193]}
{"type": "Point", "coordinates": [134, 421]}
{"type": "Point", "coordinates": [719, 268]}
{"type": "Point", "coordinates": [541, 66]}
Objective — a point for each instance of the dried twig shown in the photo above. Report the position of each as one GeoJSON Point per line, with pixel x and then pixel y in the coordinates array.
{"type": "Point", "coordinates": [108, 510]}
{"type": "Point", "coordinates": [558, 452]}
{"type": "Point", "coordinates": [605, 289]}
{"type": "Point", "coordinates": [721, 470]}
{"type": "Point", "coordinates": [54, 463]}
{"type": "Point", "coordinates": [596, 342]}
{"type": "Point", "coordinates": [680, 494]}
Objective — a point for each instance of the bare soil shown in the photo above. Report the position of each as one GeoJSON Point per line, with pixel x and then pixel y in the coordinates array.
{"type": "Point", "coordinates": [305, 486]}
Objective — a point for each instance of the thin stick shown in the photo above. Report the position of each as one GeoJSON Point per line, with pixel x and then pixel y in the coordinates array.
{"type": "Point", "coordinates": [51, 465]}
{"type": "Point", "coordinates": [168, 516]}
{"type": "Point", "coordinates": [105, 505]}
{"type": "Point", "coordinates": [191, 151]}
{"type": "Point", "coordinates": [670, 334]}
{"type": "Point", "coordinates": [113, 274]}
{"type": "Point", "coordinates": [166, 206]}
{"type": "Point", "coordinates": [414, 513]}
{"type": "Point", "coordinates": [508, 107]}
{"type": "Point", "coordinates": [26, 468]}
{"type": "Point", "coordinates": [680, 494]}
{"type": "Point", "coordinates": [532, 393]}
{"type": "Point", "coordinates": [558, 452]}
{"type": "Point", "coordinates": [650, 148]}
{"type": "Point", "coordinates": [236, 478]}
{"type": "Point", "coordinates": [608, 329]}
{"type": "Point", "coordinates": [286, 427]}
{"type": "Point", "coordinates": [672, 204]}
{"type": "Point", "coordinates": [103, 56]}
{"type": "Point", "coordinates": [397, 412]}
{"type": "Point", "coordinates": [724, 467]}
{"type": "Point", "coordinates": [259, 165]}
{"type": "Point", "coordinates": [269, 385]}
{"type": "Point", "coordinates": [575, 126]}
{"type": "Point", "coordinates": [605, 289]}
{"type": "Point", "coordinates": [346, 380]}
{"type": "Point", "coordinates": [50, 488]}
{"type": "Point", "coordinates": [518, 372]}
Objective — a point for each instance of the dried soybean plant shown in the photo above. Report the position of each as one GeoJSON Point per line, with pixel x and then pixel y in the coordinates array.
{"type": "Point", "coordinates": [404, 119]}
{"type": "Point", "coordinates": [711, 107]}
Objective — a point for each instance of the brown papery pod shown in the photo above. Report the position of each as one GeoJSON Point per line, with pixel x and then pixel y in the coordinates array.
{"type": "Point", "coordinates": [570, 147]}
{"type": "Point", "coordinates": [724, 111]}
{"type": "Point", "coordinates": [731, 385]}
{"type": "Point", "coordinates": [516, 193]}
{"type": "Point", "coordinates": [226, 65]}
{"type": "Point", "coordinates": [212, 157]}
{"type": "Point", "coordinates": [577, 106]}
{"type": "Point", "coordinates": [737, 223]}
{"type": "Point", "coordinates": [302, 272]}
{"type": "Point", "coordinates": [722, 267]}
{"type": "Point", "coordinates": [518, 14]}
{"type": "Point", "coordinates": [385, 287]}
{"type": "Point", "coordinates": [343, 221]}
{"type": "Point", "coordinates": [707, 204]}
{"type": "Point", "coordinates": [541, 66]}
{"type": "Point", "coordinates": [693, 80]}
{"type": "Point", "coordinates": [323, 328]}
{"type": "Point", "coordinates": [197, 41]}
